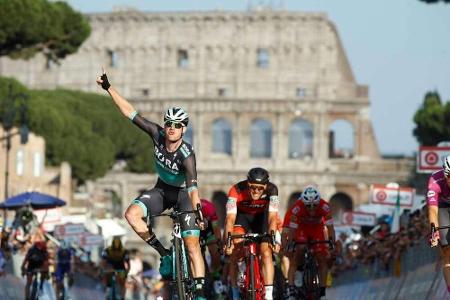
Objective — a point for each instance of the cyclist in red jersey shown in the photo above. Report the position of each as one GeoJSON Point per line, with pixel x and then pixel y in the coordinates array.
{"type": "Point", "coordinates": [310, 218]}
{"type": "Point", "coordinates": [212, 238]}
{"type": "Point", "coordinates": [253, 205]}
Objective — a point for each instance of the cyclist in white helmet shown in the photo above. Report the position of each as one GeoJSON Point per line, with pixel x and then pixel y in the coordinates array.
{"type": "Point", "coordinates": [438, 198]}
{"type": "Point", "coordinates": [309, 219]}
{"type": "Point", "coordinates": [177, 181]}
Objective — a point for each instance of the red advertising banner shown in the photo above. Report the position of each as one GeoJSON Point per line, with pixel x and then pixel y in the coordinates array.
{"type": "Point", "coordinates": [380, 194]}
{"type": "Point", "coordinates": [430, 158]}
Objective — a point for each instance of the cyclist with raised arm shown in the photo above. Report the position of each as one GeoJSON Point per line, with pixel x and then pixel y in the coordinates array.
{"type": "Point", "coordinates": [310, 219]}
{"type": "Point", "coordinates": [438, 199]}
{"type": "Point", "coordinates": [177, 181]}
{"type": "Point", "coordinates": [253, 206]}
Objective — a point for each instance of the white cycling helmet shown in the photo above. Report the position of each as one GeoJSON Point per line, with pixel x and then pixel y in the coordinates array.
{"type": "Point", "coordinates": [446, 166]}
{"type": "Point", "coordinates": [176, 114]}
{"type": "Point", "coordinates": [310, 196]}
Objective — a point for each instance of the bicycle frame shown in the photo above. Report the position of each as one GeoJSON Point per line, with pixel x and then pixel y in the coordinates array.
{"type": "Point", "coordinates": [181, 276]}
{"type": "Point", "coordinates": [311, 281]}
{"type": "Point", "coordinates": [254, 280]}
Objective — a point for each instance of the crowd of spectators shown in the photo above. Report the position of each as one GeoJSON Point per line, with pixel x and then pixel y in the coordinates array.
{"type": "Point", "coordinates": [143, 281]}
{"type": "Point", "coordinates": [380, 250]}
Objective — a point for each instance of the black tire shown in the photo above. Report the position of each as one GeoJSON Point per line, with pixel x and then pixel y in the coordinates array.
{"type": "Point", "coordinates": [311, 284]}
{"type": "Point", "coordinates": [179, 274]}
{"type": "Point", "coordinates": [252, 278]}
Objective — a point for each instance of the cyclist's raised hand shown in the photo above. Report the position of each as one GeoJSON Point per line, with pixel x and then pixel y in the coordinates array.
{"type": "Point", "coordinates": [103, 80]}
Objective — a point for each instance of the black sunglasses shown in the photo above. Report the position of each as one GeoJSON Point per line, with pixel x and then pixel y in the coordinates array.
{"type": "Point", "coordinates": [177, 125]}
{"type": "Point", "coordinates": [256, 188]}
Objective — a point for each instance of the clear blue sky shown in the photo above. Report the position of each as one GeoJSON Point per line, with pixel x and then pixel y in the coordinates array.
{"type": "Point", "coordinates": [400, 48]}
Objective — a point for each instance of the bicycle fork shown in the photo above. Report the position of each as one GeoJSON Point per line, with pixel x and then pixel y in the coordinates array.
{"type": "Point", "coordinates": [255, 285]}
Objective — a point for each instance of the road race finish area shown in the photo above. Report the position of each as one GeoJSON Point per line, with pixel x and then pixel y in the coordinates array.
{"type": "Point", "coordinates": [426, 282]}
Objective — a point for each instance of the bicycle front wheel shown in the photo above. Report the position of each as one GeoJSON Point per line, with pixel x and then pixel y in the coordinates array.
{"type": "Point", "coordinates": [311, 281]}
{"type": "Point", "coordinates": [252, 278]}
{"type": "Point", "coordinates": [179, 276]}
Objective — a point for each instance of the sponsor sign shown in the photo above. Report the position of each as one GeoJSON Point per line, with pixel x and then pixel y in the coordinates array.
{"type": "Point", "coordinates": [69, 229]}
{"type": "Point", "coordinates": [380, 194]}
{"type": "Point", "coordinates": [48, 217]}
{"type": "Point", "coordinates": [91, 240]}
{"type": "Point", "coordinates": [430, 158]}
{"type": "Point", "coordinates": [355, 218]}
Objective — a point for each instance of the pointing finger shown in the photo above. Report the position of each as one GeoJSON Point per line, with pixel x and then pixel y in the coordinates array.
{"type": "Point", "coordinates": [103, 70]}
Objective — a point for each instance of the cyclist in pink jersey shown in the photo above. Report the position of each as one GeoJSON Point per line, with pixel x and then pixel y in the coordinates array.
{"type": "Point", "coordinates": [438, 198]}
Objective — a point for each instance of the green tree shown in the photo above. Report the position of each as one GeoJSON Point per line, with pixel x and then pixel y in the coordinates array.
{"type": "Point", "coordinates": [432, 120]}
{"type": "Point", "coordinates": [31, 26]}
{"type": "Point", "coordinates": [84, 129]}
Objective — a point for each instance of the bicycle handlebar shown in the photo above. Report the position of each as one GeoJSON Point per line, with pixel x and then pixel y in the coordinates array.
{"type": "Point", "coordinates": [175, 214]}
{"type": "Point", "coordinates": [309, 243]}
{"type": "Point", "coordinates": [434, 228]}
{"type": "Point", "coordinates": [255, 237]}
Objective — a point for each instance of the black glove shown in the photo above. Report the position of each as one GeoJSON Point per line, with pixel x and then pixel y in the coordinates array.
{"type": "Point", "coordinates": [105, 84]}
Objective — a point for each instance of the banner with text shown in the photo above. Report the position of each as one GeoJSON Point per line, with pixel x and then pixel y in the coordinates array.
{"type": "Point", "coordinates": [357, 218]}
{"type": "Point", "coordinates": [380, 194]}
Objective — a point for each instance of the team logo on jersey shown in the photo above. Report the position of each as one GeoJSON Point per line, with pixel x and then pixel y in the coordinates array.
{"type": "Point", "coordinates": [185, 150]}
{"type": "Point", "coordinates": [165, 161]}
{"type": "Point", "coordinates": [326, 207]}
{"type": "Point", "coordinates": [295, 210]}
{"type": "Point", "coordinates": [431, 193]}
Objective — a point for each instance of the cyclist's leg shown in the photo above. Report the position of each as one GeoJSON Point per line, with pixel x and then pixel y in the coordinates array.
{"type": "Point", "coordinates": [59, 279]}
{"type": "Point", "coordinates": [28, 284]}
{"type": "Point", "coordinates": [148, 203]}
{"type": "Point", "coordinates": [285, 254]}
{"type": "Point", "coordinates": [237, 257]}
{"type": "Point", "coordinates": [321, 253]}
{"type": "Point", "coordinates": [213, 248]}
{"type": "Point", "coordinates": [190, 232]}
{"type": "Point", "coordinates": [211, 242]}
{"type": "Point", "coordinates": [300, 235]}
{"type": "Point", "coordinates": [259, 224]}
{"type": "Point", "coordinates": [444, 238]}
{"type": "Point", "coordinates": [121, 278]}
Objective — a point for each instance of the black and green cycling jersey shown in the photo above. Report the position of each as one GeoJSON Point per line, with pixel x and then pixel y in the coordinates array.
{"type": "Point", "coordinates": [174, 168]}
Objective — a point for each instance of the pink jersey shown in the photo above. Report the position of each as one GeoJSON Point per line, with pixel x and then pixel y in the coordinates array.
{"type": "Point", "coordinates": [209, 211]}
{"type": "Point", "coordinates": [438, 189]}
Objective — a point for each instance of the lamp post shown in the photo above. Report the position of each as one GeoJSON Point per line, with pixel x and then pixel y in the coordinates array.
{"type": "Point", "coordinates": [8, 118]}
